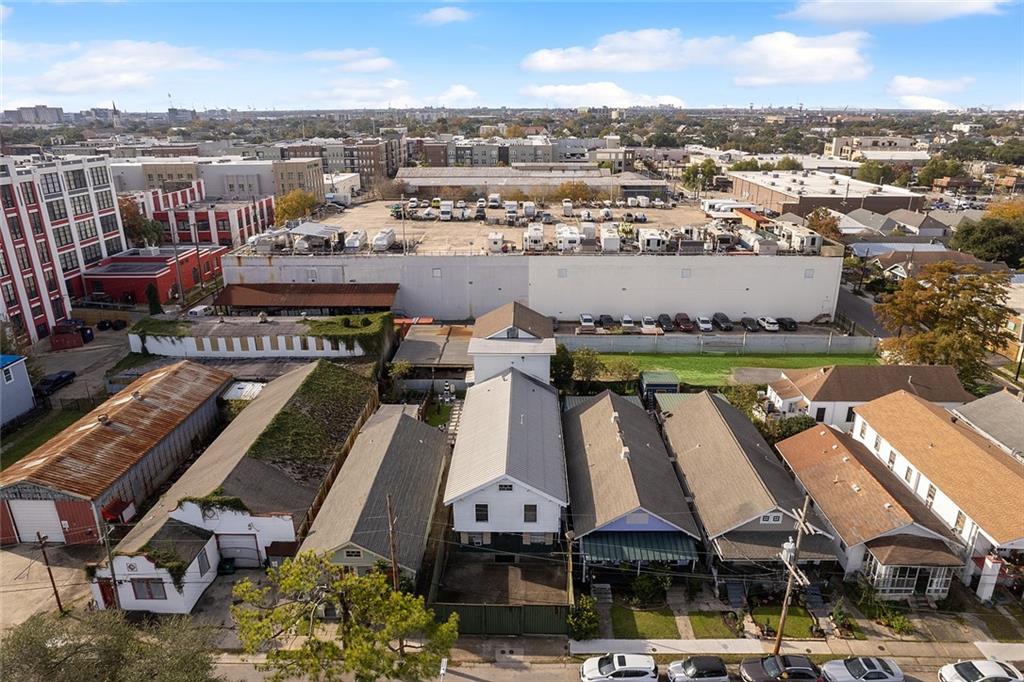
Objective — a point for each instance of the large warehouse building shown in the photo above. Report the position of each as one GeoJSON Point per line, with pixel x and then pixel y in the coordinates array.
{"type": "Point", "coordinates": [111, 460]}
{"type": "Point", "coordinates": [528, 180]}
{"type": "Point", "coordinates": [801, 192]}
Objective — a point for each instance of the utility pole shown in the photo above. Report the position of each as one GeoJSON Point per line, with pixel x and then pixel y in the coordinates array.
{"type": "Point", "coordinates": [391, 545]}
{"type": "Point", "coordinates": [49, 571]}
{"type": "Point", "coordinates": [795, 574]}
{"type": "Point", "coordinates": [105, 530]}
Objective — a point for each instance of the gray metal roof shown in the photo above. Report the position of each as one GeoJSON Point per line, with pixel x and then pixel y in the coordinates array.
{"type": "Point", "coordinates": [510, 427]}
{"type": "Point", "coordinates": [436, 346]}
{"type": "Point", "coordinates": [618, 464]}
{"type": "Point", "coordinates": [876, 221]}
{"type": "Point", "coordinates": [571, 401]}
{"type": "Point", "coordinates": [999, 416]}
{"type": "Point", "coordinates": [729, 468]}
{"type": "Point", "coordinates": [394, 454]}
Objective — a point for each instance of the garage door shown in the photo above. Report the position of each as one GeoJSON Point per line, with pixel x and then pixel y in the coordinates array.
{"type": "Point", "coordinates": [242, 548]}
{"type": "Point", "coordinates": [32, 516]}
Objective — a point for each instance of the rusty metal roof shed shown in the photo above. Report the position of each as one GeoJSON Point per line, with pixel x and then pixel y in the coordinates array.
{"type": "Point", "coordinates": [325, 295]}
{"type": "Point", "coordinates": [88, 457]}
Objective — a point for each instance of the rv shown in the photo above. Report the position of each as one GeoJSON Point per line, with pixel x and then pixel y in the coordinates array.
{"type": "Point", "coordinates": [356, 239]}
{"type": "Point", "coordinates": [493, 201]}
{"type": "Point", "coordinates": [533, 237]}
{"type": "Point", "coordinates": [567, 208]}
{"type": "Point", "coordinates": [567, 238]}
{"type": "Point", "coordinates": [643, 202]}
{"type": "Point", "coordinates": [758, 242]}
{"type": "Point", "coordinates": [383, 240]}
{"type": "Point", "coordinates": [495, 242]}
{"type": "Point", "coordinates": [529, 209]}
{"type": "Point", "coordinates": [588, 230]}
{"type": "Point", "coordinates": [651, 240]}
{"type": "Point", "coordinates": [446, 210]}
{"type": "Point", "coordinates": [798, 238]}
{"type": "Point", "coordinates": [721, 238]}
{"type": "Point", "coordinates": [631, 202]}
{"type": "Point", "coordinates": [610, 241]}
{"type": "Point", "coordinates": [511, 212]}
{"type": "Point", "coordinates": [604, 214]}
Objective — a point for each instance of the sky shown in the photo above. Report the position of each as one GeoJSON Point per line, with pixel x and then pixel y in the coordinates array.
{"type": "Point", "coordinates": [145, 56]}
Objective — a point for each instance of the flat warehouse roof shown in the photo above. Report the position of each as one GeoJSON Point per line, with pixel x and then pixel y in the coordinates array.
{"type": "Point", "coordinates": [818, 183]}
{"type": "Point", "coordinates": [436, 346]}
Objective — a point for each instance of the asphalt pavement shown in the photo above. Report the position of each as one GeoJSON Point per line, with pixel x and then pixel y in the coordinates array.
{"type": "Point", "coordinates": [860, 310]}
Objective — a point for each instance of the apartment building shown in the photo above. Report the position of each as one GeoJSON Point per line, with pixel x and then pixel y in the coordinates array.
{"type": "Point", "coordinates": [37, 114]}
{"type": "Point", "coordinates": [201, 219]}
{"type": "Point", "coordinates": [304, 174]}
{"type": "Point", "coordinates": [231, 177]}
{"type": "Point", "coordinates": [849, 147]}
{"type": "Point", "coordinates": [59, 216]}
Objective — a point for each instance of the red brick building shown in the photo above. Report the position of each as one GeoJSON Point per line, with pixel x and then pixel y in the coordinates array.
{"type": "Point", "coordinates": [123, 278]}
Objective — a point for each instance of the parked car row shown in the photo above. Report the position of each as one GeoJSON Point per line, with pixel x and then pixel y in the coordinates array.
{"type": "Point", "coordinates": [683, 323]}
{"type": "Point", "coordinates": [785, 668]}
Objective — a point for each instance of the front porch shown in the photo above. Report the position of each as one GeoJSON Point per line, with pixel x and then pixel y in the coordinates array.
{"type": "Point", "coordinates": [903, 566]}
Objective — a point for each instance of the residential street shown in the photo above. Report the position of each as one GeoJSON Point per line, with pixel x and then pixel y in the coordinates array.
{"type": "Point", "coordinates": [859, 310]}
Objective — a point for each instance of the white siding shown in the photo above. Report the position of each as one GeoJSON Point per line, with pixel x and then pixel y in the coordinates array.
{"type": "Point", "coordinates": [243, 347]}
{"type": "Point", "coordinates": [505, 511]}
{"type": "Point", "coordinates": [487, 366]}
{"type": "Point", "coordinates": [267, 529]}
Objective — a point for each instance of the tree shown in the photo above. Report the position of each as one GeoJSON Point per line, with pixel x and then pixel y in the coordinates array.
{"type": "Point", "coordinates": [1012, 210]}
{"type": "Point", "coordinates": [622, 368]}
{"type": "Point", "coordinates": [992, 239]}
{"type": "Point", "coordinates": [588, 364]}
{"type": "Point", "coordinates": [399, 369]}
{"type": "Point", "coordinates": [137, 228]}
{"type": "Point", "coordinates": [750, 164]}
{"type": "Point", "coordinates": [103, 645]}
{"type": "Point", "coordinates": [825, 224]}
{"type": "Point", "coordinates": [788, 163]}
{"type": "Point", "coordinates": [153, 299]}
{"type": "Point", "coordinates": [876, 172]}
{"type": "Point", "coordinates": [939, 168]}
{"type": "Point", "coordinates": [294, 205]}
{"type": "Point", "coordinates": [949, 315]}
{"type": "Point", "coordinates": [12, 344]}
{"type": "Point", "coordinates": [700, 174]}
{"type": "Point", "coordinates": [562, 367]}
{"type": "Point", "coordinates": [371, 640]}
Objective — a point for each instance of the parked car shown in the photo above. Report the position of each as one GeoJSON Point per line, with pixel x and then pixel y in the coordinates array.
{"type": "Point", "coordinates": [648, 324]}
{"type": "Point", "coordinates": [480, 213]}
{"type": "Point", "coordinates": [703, 668]}
{"type": "Point", "coordinates": [704, 324]}
{"type": "Point", "coordinates": [722, 321]}
{"type": "Point", "coordinates": [786, 324]}
{"type": "Point", "coordinates": [586, 321]}
{"type": "Point", "coordinates": [769, 324]}
{"type": "Point", "coordinates": [118, 325]}
{"type": "Point", "coordinates": [862, 669]}
{"type": "Point", "coordinates": [665, 322]}
{"type": "Point", "coordinates": [778, 668]}
{"type": "Point", "coordinates": [460, 204]}
{"type": "Point", "coordinates": [749, 324]}
{"type": "Point", "coordinates": [606, 321]}
{"type": "Point", "coordinates": [413, 203]}
{"type": "Point", "coordinates": [684, 322]}
{"type": "Point", "coordinates": [201, 311]}
{"type": "Point", "coordinates": [51, 383]}
{"type": "Point", "coordinates": [481, 203]}
{"type": "Point", "coordinates": [627, 324]}
{"type": "Point", "coordinates": [979, 671]}
{"type": "Point", "coordinates": [103, 325]}
{"type": "Point", "coordinates": [618, 666]}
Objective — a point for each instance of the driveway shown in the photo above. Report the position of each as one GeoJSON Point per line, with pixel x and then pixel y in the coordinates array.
{"type": "Point", "coordinates": [90, 362]}
{"type": "Point", "coordinates": [26, 587]}
{"type": "Point", "coordinates": [860, 310]}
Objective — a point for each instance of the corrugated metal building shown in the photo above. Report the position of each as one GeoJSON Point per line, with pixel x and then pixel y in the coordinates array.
{"type": "Point", "coordinates": [109, 461]}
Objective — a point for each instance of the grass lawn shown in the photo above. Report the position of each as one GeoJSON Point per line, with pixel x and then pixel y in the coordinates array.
{"type": "Point", "coordinates": [438, 414]}
{"type": "Point", "coordinates": [130, 361]}
{"type": "Point", "coordinates": [714, 370]}
{"type": "Point", "coordinates": [628, 623]}
{"type": "Point", "coordinates": [31, 436]}
{"type": "Point", "coordinates": [999, 626]}
{"type": "Point", "coordinates": [709, 625]}
{"type": "Point", "coordinates": [798, 621]}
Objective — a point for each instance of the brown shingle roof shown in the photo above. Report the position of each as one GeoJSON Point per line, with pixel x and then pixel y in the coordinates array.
{"type": "Point", "coordinates": [979, 477]}
{"type": "Point", "coordinates": [937, 383]}
{"type": "Point", "coordinates": [603, 484]}
{"type": "Point", "coordinates": [513, 314]}
{"type": "Point", "coordinates": [853, 490]}
{"type": "Point", "coordinates": [912, 550]}
{"type": "Point", "coordinates": [91, 455]}
{"type": "Point", "coordinates": [915, 260]}
{"type": "Point", "coordinates": [327, 295]}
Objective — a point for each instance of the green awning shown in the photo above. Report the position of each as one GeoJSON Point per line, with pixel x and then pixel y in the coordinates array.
{"type": "Point", "coordinates": [613, 546]}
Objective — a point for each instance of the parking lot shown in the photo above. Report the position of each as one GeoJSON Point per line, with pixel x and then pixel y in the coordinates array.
{"type": "Point", "coordinates": [89, 362]}
{"type": "Point", "coordinates": [471, 237]}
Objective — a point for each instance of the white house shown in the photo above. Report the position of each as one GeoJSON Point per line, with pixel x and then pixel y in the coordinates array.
{"type": "Point", "coordinates": [968, 482]}
{"type": "Point", "coordinates": [829, 394]}
{"type": "Point", "coordinates": [512, 336]}
{"type": "Point", "coordinates": [15, 389]}
{"type": "Point", "coordinates": [880, 530]}
{"type": "Point", "coordinates": [507, 481]}
{"type": "Point", "coordinates": [244, 493]}
{"type": "Point", "coordinates": [1000, 418]}
{"type": "Point", "coordinates": [627, 504]}
{"type": "Point", "coordinates": [921, 224]}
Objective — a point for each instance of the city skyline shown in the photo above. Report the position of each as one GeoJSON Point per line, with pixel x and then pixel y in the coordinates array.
{"type": "Point", "coordinates": [148, 56]}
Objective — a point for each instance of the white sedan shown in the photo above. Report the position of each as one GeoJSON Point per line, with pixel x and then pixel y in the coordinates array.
{"type": "Point", "coordinates": [704, 324]}
{"type": "Point", "coordinates": [979, 671]}
{"type": "Point", "coordinates": [618, 666]}
{"type": "Point", "coordinates": [862, 669]}
{"type": "Point", "coordinates": [698, 669]}
{"type": "Point", "coordinates": [769, 324]}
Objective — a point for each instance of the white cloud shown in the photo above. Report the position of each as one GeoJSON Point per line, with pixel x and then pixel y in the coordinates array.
{"type": "Point", "coordinates": [18, 52]}
{"type": "Point", "coordinates": [861, 12]}
{"type": "Point", "coordinates": [5, 11]}
{"type": "Point", "coordinates": [602, 93]}
{"type": "Point", "coordinates": [455, 95]}
{"type": "Point", "coordinates": [119, 65]}
{"type": "Point", "coordinates": [784, 58]}
{"type": "Point", "coordinates": [914, 92]}
{"type": "Point", "coordinates": [364, 93]}
{"type": "Point", "coordinates": [366, 60]}
{"type": "Point", "coordinates": [652, 49]}
{"type": "Point", "coordinates": [445, 15]}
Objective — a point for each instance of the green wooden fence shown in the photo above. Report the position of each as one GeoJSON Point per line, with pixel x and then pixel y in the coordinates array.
{"type": "Point", "coordinates": [502, 619]}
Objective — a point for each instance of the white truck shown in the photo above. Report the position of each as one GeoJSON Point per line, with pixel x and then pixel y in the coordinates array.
{"type": "Point", "coordinates": [511, 212]}
{"type": "Point", "coordinates": [567, 208]}
{"type": "Point", "coordinates": [529, 209]}
{"type": "Point", "coordinates": [533, 237]}
{"type": "Point", "coordinates": [446, 210]}
{"type": "Point", "coordinates": [493, 201]}
{"type": "Point", "coordinates": [643, 202]}
{"type": "Point", "coordinates": [383, 240]}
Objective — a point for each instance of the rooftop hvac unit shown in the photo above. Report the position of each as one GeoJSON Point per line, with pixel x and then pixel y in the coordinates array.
{"type": "Point", "coordinates": [832, 176]}
{"type": "Point", "coordinates": [831, 191]}
{"type": "Point", "coordinates": [771, 182]}
{"type": "Point", "coordinates": [835, 182]}
{"type": "Point", "coordinates": [775, 175]}
{"type": "Point", "coordinates": [799, 182]}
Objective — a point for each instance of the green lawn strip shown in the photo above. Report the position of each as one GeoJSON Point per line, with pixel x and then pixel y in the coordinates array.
{"type": "Point", "coordinates": [630, 623]}
{"type": "Point", "coordinates": [31, 436]}
{"type": "Point", "coordinates": [130, 361]}
{"type": "Point", "coordinates": [151, 326]}
{"type": "Point", "coordinates": [709, 625]}
{"type": "Point", "coordinates": [714, 370]}
{"type": "Point", "coordinates": [999, 626]}
{"type": "Point", "coordinates": [798, 621]}
{"type": "Point", "coordinates": [438, 415]}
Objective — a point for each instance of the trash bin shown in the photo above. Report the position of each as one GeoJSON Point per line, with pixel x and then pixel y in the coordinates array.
{"type": "Point", "coordinates": [87, 334]}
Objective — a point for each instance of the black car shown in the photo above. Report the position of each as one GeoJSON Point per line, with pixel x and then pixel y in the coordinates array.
{"type": "Point", "coordinates": [665, 322]}
{"type": "Point", "coordinates": [118, 325]}
{"type": "Point", "coordinates": [786, 324]}
{"type": "Point", "coordinates": [684, 322]}
{"type": "Point", "coordinates": [103, 325]}
{"type": "Point", "coordinates": [749, 324]}
{"type": "Point", "coordinates": [722, 321]}
{"type": "Point", "coordinates": [605, 321]}
{"type": "Point", "coordinates": [777, 668]}
{"type": "Point", "coordinates": [51, 383]}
